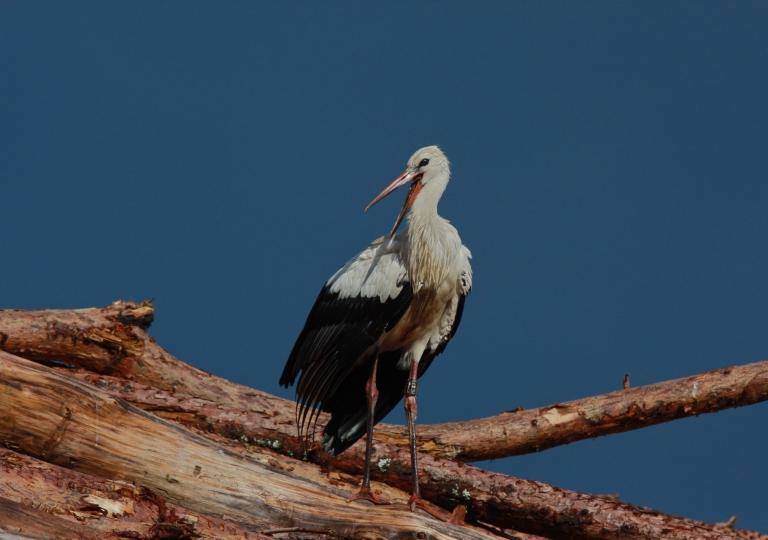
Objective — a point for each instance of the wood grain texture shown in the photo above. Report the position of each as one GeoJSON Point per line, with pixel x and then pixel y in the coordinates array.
{"type": "Point", "coordinates": [95, 506]}
{"type": "Point", "coordinates": [81, 427]}
{"type": "Point", "coordinates": [114, 341]}
{"type": "Point", "coordinates": [504, 501]}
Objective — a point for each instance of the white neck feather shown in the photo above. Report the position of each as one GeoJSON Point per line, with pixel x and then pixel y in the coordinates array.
{"type": "Point", "coordinates": [432, 243]}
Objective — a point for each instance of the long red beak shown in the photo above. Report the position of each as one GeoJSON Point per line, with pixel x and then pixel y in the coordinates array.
{"type": "Point", "coordinates": [407, 176]}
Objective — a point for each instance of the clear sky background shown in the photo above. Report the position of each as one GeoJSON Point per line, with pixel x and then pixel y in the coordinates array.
{"type": "Point", "coordinates": [609, 175]}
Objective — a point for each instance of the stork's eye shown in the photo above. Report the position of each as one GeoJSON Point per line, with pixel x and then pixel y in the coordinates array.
{"type": "Point", "coordinates": [424, 162]}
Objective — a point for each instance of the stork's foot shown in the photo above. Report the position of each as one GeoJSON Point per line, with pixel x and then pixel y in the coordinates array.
{"type": "Point", "coordinates": [458, 515]}
{"type": "Point", "coordinates": [366, 494]}
{"type": "Point", "coordinates": [434, 511]}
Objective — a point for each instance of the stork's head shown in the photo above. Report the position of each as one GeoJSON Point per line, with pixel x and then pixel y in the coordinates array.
{"type": "Point", "coordinates": [428, 163]}
{"type": "Point", "coordinates": [425, 165]}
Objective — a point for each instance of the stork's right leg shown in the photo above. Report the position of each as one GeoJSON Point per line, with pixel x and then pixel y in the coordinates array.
{"type": "Point", "coordinates": [410, 413]}
{"type": "Point", "coordinates": [373, 394]}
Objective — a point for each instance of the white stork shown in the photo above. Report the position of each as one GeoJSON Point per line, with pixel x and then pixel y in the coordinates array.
{"type": "Point", "coordinates": [381, 319]}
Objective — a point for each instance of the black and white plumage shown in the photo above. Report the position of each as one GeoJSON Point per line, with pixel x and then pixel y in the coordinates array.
{"type": "Point", "coordinates": [380, 321]}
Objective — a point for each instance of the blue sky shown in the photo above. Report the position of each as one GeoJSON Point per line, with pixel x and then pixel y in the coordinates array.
{"type": "Point", "coordinates": [609, 176]}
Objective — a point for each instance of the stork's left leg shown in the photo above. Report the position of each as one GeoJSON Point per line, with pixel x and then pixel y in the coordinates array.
{"type": "Point", "coordinates": [372, 393]}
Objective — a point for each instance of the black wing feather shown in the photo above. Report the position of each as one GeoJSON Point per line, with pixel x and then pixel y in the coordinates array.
{"type": "Point", "coordinates": [349, 408]}
{"type": "Point", "coordinates": [337, 332]}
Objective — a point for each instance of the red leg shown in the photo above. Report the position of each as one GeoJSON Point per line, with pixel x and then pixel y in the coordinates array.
{"type": "Point", "coordinates": [411, 409]}
{"type": "Point", "coordinates": [410, 413]}
{"type": "Point", "coordinates": [372, 393]}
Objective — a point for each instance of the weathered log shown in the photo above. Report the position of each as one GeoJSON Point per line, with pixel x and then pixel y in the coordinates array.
{"type": "Point", "coordinates": [104, 341]}
{"type": "Point", "coordinates": [114, 341]}
{"type": "Point", "coordinates": [67, 422]}
{"type": "Point", "coordinates": [20, 521]}
{"type": "Point", "coordinates": [503, 501]}
{"type": "Point", "coordinates": [94, 507]}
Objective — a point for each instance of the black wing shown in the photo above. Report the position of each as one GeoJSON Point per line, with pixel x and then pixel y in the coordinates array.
{"type": "Point", "coordinates": [349, 406]}
{"type": "Point", "coordinates": [337, 333]}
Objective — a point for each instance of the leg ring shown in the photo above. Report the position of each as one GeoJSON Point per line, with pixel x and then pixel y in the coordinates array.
{"type": "Point", "coordinates": [411, 388]}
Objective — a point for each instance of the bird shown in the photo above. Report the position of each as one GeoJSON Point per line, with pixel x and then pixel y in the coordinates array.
{"type": "Point", "coordinates": [380, 321]}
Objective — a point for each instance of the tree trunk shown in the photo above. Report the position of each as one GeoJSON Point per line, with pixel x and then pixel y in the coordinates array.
{"type": "Point", "coordinates": [237, 470]}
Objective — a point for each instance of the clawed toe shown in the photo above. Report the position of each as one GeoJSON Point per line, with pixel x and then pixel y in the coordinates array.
{"type": "Point", "coordinates": [366, 494]}
{"type": "Point", "coordinates": [458, 514]}
{"type": "Point", "coordinates": [434, 511]}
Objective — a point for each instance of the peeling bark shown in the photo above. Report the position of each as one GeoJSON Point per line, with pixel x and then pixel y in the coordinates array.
{"type": "Point", "coordinates": [19, 520]}
{"type": "Point", "coordinates": [501, 500]}
{"type": "Point", "coordinates": [247, 437]}
{"type": "Point", "coordinates": [89, 506]}
{"type": "Point", "coordinates": [74, 425]}
{"type": "Point", "coordinates": [101, 341]}
{"type": "Point", "coordinates": [84, 428]}
{"type": "Point", "coordinates": [106, 341]}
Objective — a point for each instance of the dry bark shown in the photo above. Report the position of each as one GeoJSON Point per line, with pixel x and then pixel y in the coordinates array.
{"type": "Point", "coordinates": [64, 421]}
{"type": "Point", "coordinates": [68, 423]}
{"type": "Point", "coordinates": [18, 520]}
{"type": "Point", "coordinates": [95, 507]}
{"type": "Point", "coordinates": [114, 341]}
{"type": "Point", "coordinates": [506, 502]}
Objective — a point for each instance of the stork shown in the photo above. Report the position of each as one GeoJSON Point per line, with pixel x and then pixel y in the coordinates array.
{"type": "Point", "coordinates": [381, 320]}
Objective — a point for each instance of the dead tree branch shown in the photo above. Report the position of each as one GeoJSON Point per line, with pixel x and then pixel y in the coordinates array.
{"type": "Point", "coordinates": [114, 341]}
{"type": "Point", "coordinates": [522, 432]}
{"type": "Point", "coordinates": [63, 421]}
{"type": "Point", "coordinates": [506, 502]}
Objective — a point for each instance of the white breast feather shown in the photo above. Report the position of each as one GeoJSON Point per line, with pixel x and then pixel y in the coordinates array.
{"type": "Point", "coordinates": [465, 280]}
{"type": "Point", "coordinates": [463, 287]}
{"type": "Point", "coordinates": [375, 271]}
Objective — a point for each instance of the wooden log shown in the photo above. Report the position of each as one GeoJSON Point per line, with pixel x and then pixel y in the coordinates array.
{"type": "Point", "coordinates": [503, 501]}
{"type": "Point", "coordinates": [66, 422]}
{"type": "Point", "coordinates": [105, 343]}
{"type": "Point", "coordinates": [20, 521]}
{"type": "Point", "coordinates": [94, 507]}
{"type": "Point", "coordinates": [114, 341]}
